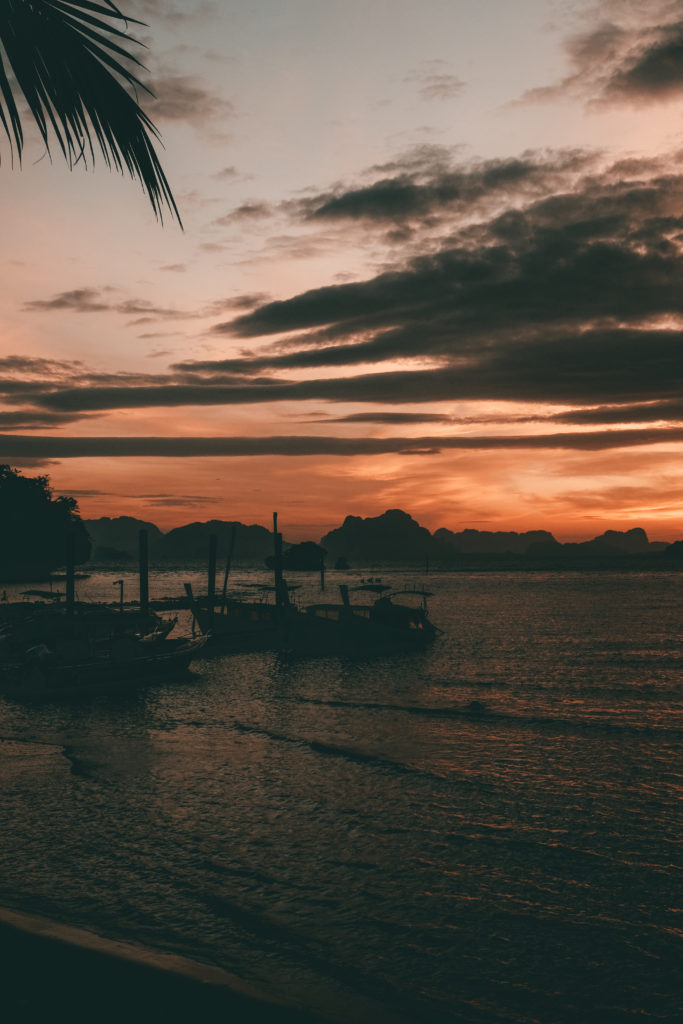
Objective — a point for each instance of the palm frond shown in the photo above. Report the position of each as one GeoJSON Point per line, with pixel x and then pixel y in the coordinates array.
{"type": "Point", "coordinates": [71, 60]}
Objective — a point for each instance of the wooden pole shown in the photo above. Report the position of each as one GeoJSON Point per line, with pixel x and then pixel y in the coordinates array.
{"type": "Point", "coordinates": [277, 565]}
{"type": "Point", "coordinates": [70, 574]}
{"type": "Point", "coordinates": [144, 573]}
{"type": "Point", "coordinates": [228, 565]}
{"type": "Point", "coordinates": [213, 548]}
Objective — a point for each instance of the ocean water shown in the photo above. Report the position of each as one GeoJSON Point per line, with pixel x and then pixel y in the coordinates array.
{"type": "Point", "coordinates": [486, 831]}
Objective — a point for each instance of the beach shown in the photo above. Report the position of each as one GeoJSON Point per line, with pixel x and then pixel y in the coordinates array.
{"type": "Point", "coordinates": [52, 971]}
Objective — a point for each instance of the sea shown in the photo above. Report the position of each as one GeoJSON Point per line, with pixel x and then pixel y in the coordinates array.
{"type": "Point", "coordinates": [489, 830]}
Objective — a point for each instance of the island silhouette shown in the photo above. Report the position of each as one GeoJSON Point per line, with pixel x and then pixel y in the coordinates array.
{"type": "Point", "coordinates": [36, 527]}
{"type": "Point", "coordinates": [392, 538]}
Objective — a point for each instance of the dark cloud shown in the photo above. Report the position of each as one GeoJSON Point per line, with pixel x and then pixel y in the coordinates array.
{"type": "Point", "coordinates": [641, 412]}
{"type": "Point", "coordinates": [245, 212]}
{"type": "Point", "coordinates": [90, 300]}
{"type": "Point", "coordinates": [656, 72]}
{"type": "Point", "coordinates": [186, 98]}
{"type": "Point", "coordinates": [34, 419]}
{"type": "Point", "coordinates": [391, 417]}
{"type": "Point", "coordinates": [552, 301]}
{"type": "Point", "coordinates": [21, 446]}
{"type": "Point", "coordinates": [429, 186]}
{"type": "Point", "coordinates": [621, 61]}
{"type": "Point", "coordinates": [82, 300]}
{"type": "Point", "coordinates": [179, 501]}
{"type": "Point", "coordinates": [593, 367]}
{"type": "Point", "coordinates": [29, 462]}
{"type": "Point", "coordinates": [29, 366]}
{"type": "Point", "coordinates": [572, 298]}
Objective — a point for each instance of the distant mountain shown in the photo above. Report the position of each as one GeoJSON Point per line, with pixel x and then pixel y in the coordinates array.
{"type": "Point", "coordinates": [117, 540]}
{"type": "Point", "coordinates": [674, 550]}
{"type": "Point", "coordinates": [479, 542]}
{"type": "Point", "coordinates": [634, 541]}
{"type": "Point", "coordinates": [392, 537]}
{"type": "Point", "coordinates": [609, 545]}
{"type": "Point", "coordinates": [304, 557]}
{"type": "Point", "coordinates": [190, 543]}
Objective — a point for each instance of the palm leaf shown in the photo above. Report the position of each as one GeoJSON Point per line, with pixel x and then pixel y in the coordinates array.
{"type": "Point", "coordinates": [69, 63]}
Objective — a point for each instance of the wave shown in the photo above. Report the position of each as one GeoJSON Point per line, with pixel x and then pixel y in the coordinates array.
{"type": "Point", "coordinates": [478, 711]}
{"type": "Point", "coordinates": [333, 750]}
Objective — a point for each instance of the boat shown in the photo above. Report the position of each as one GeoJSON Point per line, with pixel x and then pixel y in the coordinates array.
{"type": "Point", "coordinates": [243, 624]}
{"type": "Point", "coordinates": [387, 623]}
{"type": "Point", "coordinates": [88, 669]}
{"type": "Point", "coordinates": [29, 623]}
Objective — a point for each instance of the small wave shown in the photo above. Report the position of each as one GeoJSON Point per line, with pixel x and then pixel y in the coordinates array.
{"type": "Point", "coordinates": [347, 753]}
{"type": "Point", "coordinates": [380, 993]}
{"type": "Point", "coordinates": [478, 711]}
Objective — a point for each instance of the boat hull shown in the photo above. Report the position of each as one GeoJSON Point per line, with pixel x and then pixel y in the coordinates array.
{"type": "Point", "coordinates": [51, 677]}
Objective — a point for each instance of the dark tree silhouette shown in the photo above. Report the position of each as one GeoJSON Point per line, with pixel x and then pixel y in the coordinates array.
{"type": "Point", "coordinates": [71, 60]}
{"type": "Point", "coordinates": [34, 527]}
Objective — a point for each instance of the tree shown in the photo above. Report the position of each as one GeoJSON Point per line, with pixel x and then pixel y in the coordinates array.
{"type": "Point", "coordinates": [71, 61]}
{"type": "Point", "coordinates": [34, 527]}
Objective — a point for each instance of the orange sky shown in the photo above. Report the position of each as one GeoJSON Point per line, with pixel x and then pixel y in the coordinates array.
{"type": "Point", "coordinates": [410, 244]}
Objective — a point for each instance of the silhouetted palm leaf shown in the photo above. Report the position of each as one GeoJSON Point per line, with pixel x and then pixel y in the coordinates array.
{"type": "Point", "coordinates": [70, 61]}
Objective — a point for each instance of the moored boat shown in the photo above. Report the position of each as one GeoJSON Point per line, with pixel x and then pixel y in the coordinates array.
{"type": "Point", "coordinates": [386, 624]}
{"type": "Point", "coordinates": [44, 673]}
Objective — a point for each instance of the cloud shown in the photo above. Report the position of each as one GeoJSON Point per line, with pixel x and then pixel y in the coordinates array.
{"type": "Point", "coordinates": [427, 184]}
{"type": "Point", "coordinates": [642, 412]}
{"type": "Point", "coordinates": [391, 417]}
{"type": "Point", "coordinates": [435, 82]}
{"type": "Point", "coordinates": [90, 300]}
{"type": "Point", "coordinates": [227, 174]}
{"type": "Point", "coordinates": [176, 15]}
{"type": "Point", "coordinates": [575, 296]}
{"type": "Point", "coordinates": [21, 446]}
{"type": "Point", "coordinates": [31, 366]}
{"type": "Point", "coordinates": [572, 297]}
{"type": "Point", "coordinates": [35, 419]}
{"type": "Point", "coordinates": [179, 501]}
{"type": "Point", "coordinates": [186, 98]}
{"type": "Point", "coordinates": [624, 61]}
{"type": "Point", "coordinates": [246, 212]}
{"type": "Point", "coordinates": [82, 300]}
{"type": "Point", "coordinates": [30, 462]}
{"type": "Point", "coordinates": [654, 72]}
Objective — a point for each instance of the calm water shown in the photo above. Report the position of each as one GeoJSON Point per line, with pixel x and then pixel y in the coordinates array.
{"type": "Point", "coordinates": [355, 835]}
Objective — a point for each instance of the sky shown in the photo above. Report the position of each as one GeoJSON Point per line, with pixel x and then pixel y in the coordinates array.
{"type": "Point", "coordinates": [431, 258]}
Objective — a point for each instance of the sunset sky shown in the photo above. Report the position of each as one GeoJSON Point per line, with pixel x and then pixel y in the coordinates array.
{"type": "Point", "coordinates": [431, 259]}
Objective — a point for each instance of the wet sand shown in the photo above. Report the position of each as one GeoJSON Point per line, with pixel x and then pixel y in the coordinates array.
{"type": "Point", "coordinates": [53, 972]}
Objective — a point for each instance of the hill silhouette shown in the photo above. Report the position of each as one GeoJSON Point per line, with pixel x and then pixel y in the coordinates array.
{"type": "Point", "coordinates": [117, 540]}
{"type": "Point", "coordinates": [477, 542]}
{"type": "Point", "coordinates": [393, 537]}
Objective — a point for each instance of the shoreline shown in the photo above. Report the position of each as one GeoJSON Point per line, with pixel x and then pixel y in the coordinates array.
{"type": "Point", "coordinates": [54, 970]}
